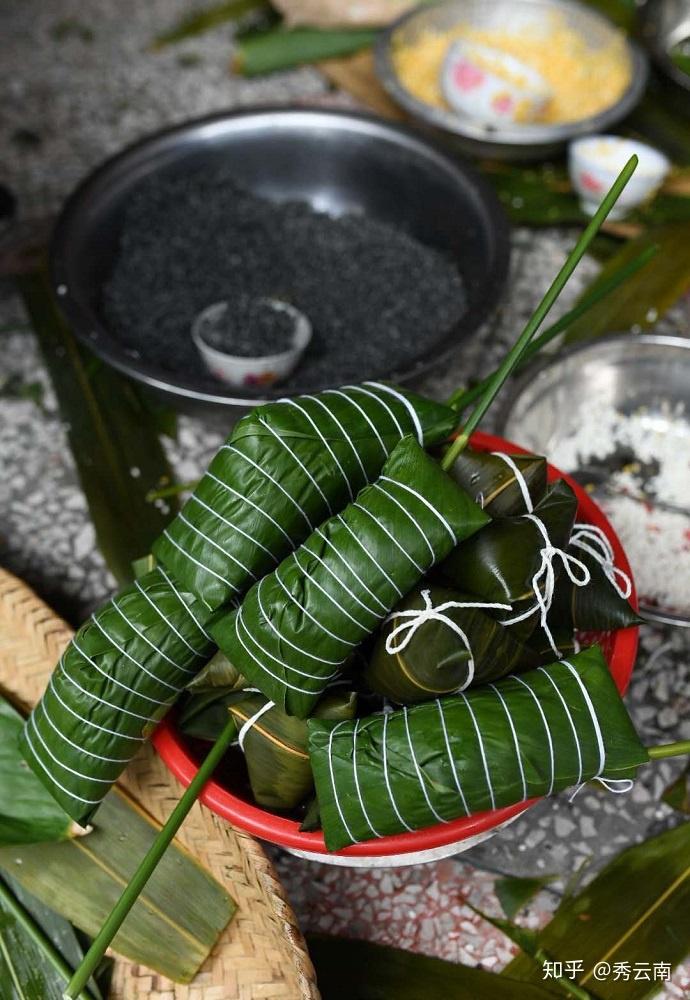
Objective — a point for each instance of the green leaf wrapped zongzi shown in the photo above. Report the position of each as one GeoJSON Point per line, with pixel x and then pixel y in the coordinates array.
{"type": "Point", "coordinates": [438, 641]}
{"type": "Point", "coordinates": [115, 681]}
{"type": "Point", "coordinates": [498, 481]}
{"type": "Point", "coordinates": [495, 746]}
{"type": "Point", "coordinates": [296, 628]}
{"type": "Point", "coordinates": [285, 468]}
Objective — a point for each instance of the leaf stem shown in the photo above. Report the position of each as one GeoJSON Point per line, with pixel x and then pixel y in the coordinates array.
{"type": "Point", "coordinates": [462, 398]}
{"type": "Point", "coordinates": [148, 865]}
{"type": "Point", "coordinates": [679, 749]}
{"type": "Point", "coordinates": [512, 359]}
{"type": "Point", "coordinates": [39, 938]}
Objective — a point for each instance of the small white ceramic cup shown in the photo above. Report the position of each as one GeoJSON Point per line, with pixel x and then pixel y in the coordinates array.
{"type": "Point", "coordinates": [251, 373]}
{"type": "Point", "coordinates": [594, 163]}
{"type": "Point", "coordinates": [492, 86]}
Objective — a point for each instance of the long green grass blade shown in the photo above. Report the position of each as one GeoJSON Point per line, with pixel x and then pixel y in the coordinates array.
{"type": "Point", "coordinates": [617, 275]}
{"type": "Point", "coordinates": [514, 356]}
{"type": "Point", "coordinates": [173, 926]}
{"type": "Point", "coordinates": [113, 436]}
{"type": "Point", "coordinates": [635, 911]}
{"type": "Point", "coordinates": [153, 857]}
{"type": "Point", "coordinates": [279, 49]}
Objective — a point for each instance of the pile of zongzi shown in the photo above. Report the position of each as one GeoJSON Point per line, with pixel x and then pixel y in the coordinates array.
{"type": "Point", "coordinates": [344, 575]}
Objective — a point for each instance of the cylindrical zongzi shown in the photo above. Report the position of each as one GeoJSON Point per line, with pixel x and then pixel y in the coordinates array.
{"type": "Point", "coordinates": [495, 746]}
{"type": "Point", "coordinates": [297, 627]}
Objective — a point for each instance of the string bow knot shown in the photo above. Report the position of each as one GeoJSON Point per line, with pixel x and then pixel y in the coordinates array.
{"type": "Point", "coordinates": [401, 636]}
{"type": "Point", "coordinates": [544, 581]}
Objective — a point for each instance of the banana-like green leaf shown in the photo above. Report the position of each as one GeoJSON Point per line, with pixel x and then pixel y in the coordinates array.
{"type": "Point", "coordinates": [646, 296]}
{"type": "Point", "coordinates": [495, 746]}
{"type": "Point", "coordinates": [28, 813]}
{"type": "Point", "coordinates": [284, 469]}
{"type": "Point", "coordinates": [360, 970]}
{"type": "Point", "coordinates": [203, 715]}
{"type": "Point", "coordinates": [493, 484]}
{"type": "Point", "coordinates": [178, 917]}
{"type": "Point", "coordinates": [275, 747]}
{"type": "Point", "coordinates": [117, 678]}
{"type": "Point", "coordinates": [635, 911]}
{"type": "Point", "coordinates": [298, 626]}
{"type": "Point", "coordinates": [38, 949]}
{"type": "Point", "coordinates": [433, 658]}
{"type": "Point", "coordinates": [112, 435]}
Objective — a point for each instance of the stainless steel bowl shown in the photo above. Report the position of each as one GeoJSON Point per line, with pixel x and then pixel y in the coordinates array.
{"type": "Point", "coordinates": [336, 161]}
{"type": "Point", "coordinates": [515, 142]}
{"type": "Point", "coordinates": [630, 372]}
{"type": "Point", "coordinates": [666, 23]}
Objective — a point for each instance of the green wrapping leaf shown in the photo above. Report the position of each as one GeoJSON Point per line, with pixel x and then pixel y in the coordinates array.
{"type": "Point", "coordinates": [116, 680]}
{"type": "Point", "coordinates": [515, 893]}
{"type": "Point", "coordinates": [280, 49]}
{"type": "Point", "coordinates": [435, 659]}
{"type": "Point", "coordinates": [598, 607]}
{"type": "Point", "coordinates": [176, 921]}
{"type": "Point", "coordinates": [499, 562]}
{"type": "Point", "coordinates": [644, 298]}
{"type": "Point", "coordinates": [360, 970]}
{"type": "Point", "coordinates": [38, 949]}
{"type": "Point", "coordinates": [285, 468]}
{"type": "Point", "coordinates": [112, 435]}
{"type": "Point", "coordinates": [275, 747]}
{"type": "Point", "coordinates": [492, 483]}
{"type": "Point", "coordinates": [297, 627]}
{"type": "Point", "coordinates": [635, 911]}
{"type": "Point", "coordinates": [495, 746]}
{"type": "Point", "coordinates": [28, 814]}
{"type": "Point", "coordinates": [219, 672]}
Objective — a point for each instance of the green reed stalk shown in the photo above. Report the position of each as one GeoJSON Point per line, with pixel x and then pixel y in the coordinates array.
{"type": "Point", "coordinates": [462, 398]}
{"type": "Point", "coordinates": [516, 353]}
{"type": "Point", "coordinates": [147, 867]}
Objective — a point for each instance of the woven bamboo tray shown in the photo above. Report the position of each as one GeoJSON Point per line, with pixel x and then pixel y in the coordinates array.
{"type": "Point", "coordinates": [261, 955]}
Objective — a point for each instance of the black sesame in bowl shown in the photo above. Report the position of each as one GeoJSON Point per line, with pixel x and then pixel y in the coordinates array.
{"type": "Point", "coordinates": [250, 328]}
{"type": "Point", "coordinates": [376, 297]}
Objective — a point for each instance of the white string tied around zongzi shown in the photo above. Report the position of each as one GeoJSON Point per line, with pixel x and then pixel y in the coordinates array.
{"type": "Point", "coordinates": [618, 786]}
{"type": "Point", "coordinates": [592, 540]}
{"type": "Point", "coordinates": [402, 634]}
{"type": "Point", "coordinates": [241, 736]}
{"type": "Point", "coordinates": [546, 575]}
{"type": "Point", "coordinates": [519, 478]}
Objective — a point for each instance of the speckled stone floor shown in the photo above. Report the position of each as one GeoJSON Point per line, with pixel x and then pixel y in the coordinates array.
{"type": "Point", "coordinates": [77, 84]}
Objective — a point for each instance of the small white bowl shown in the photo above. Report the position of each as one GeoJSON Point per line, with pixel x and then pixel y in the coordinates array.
{"type": "Point", "coordinates": [491, 85]}
{"type": "Point", "coordinates": [242, 372]}
{"type": "Point", "coordinates": [595, 161]}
